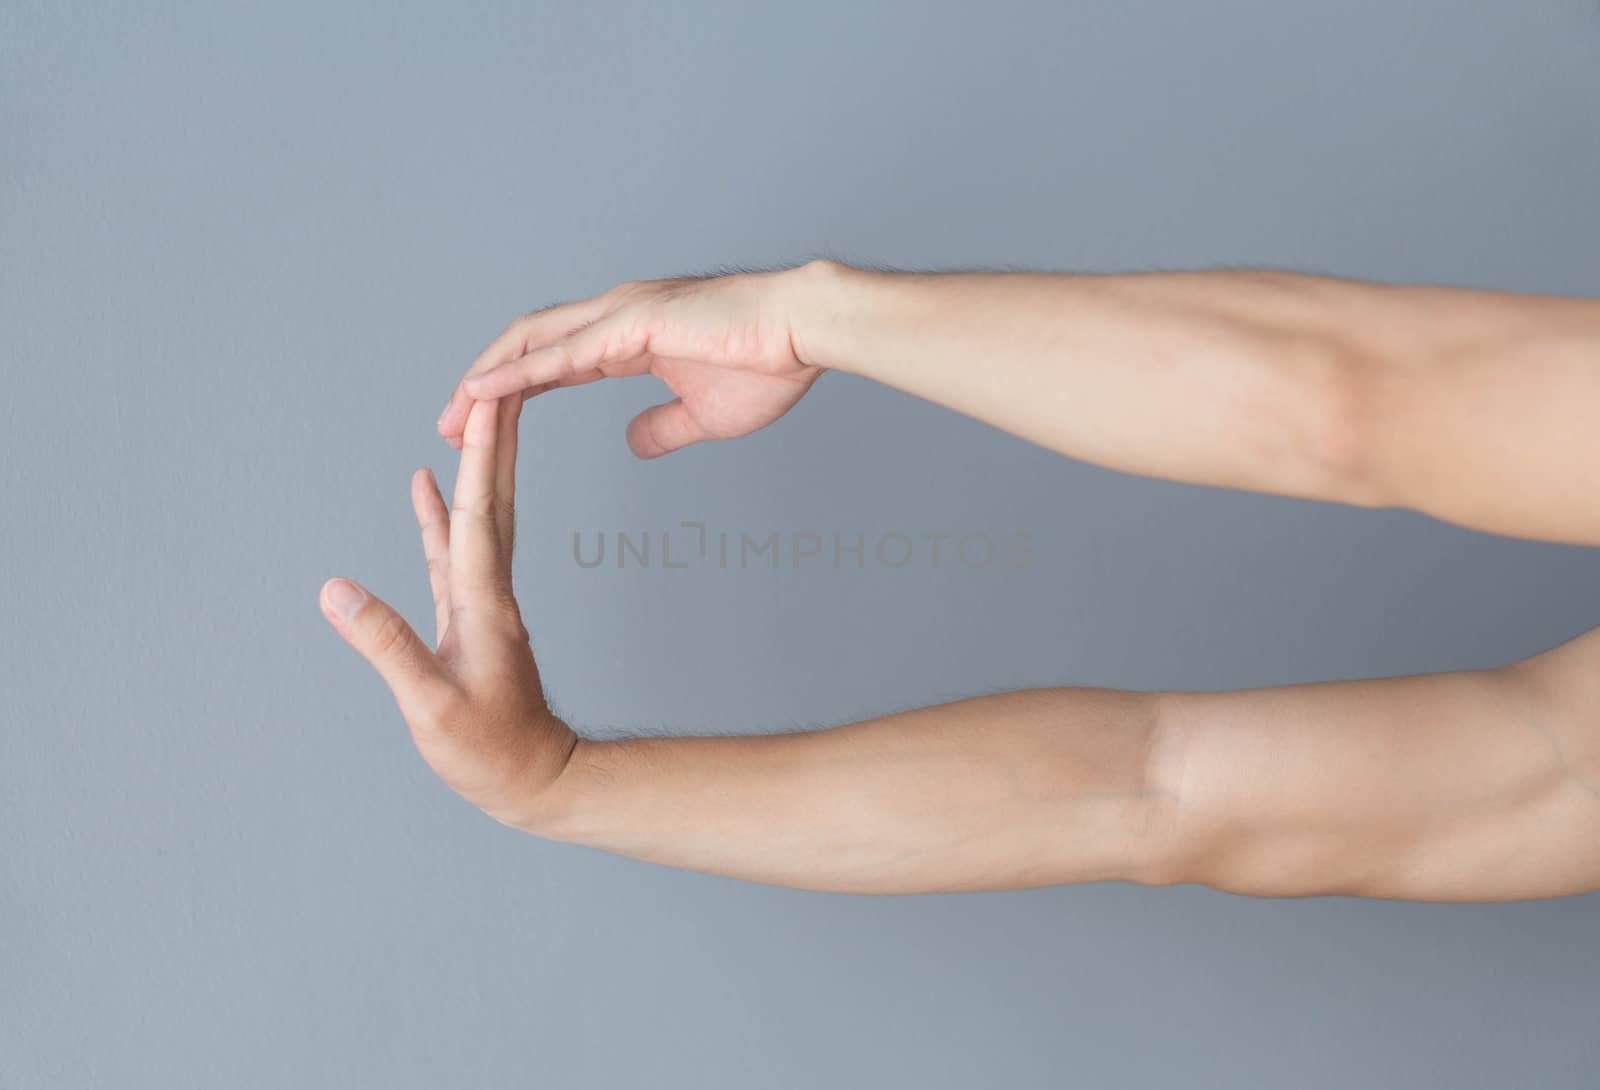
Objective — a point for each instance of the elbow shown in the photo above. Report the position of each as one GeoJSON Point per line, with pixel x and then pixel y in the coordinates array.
{"type": "Point", "coordinates": [1167, 832]}
{"type": "Point", "coordinates": [1349, 399]}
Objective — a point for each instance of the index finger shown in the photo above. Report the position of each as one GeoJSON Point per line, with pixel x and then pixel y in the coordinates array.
{"type": "Point", "coordinates": [518, 339]}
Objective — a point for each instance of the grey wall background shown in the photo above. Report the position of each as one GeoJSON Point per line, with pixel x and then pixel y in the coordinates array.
{"type": "Point", "coordinates": [245, 255]}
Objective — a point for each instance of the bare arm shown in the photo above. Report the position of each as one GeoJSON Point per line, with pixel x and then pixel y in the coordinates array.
{"type": "Point", "coordinates": [1475, 407]}
{"type": "Point", "coordinates": [1472, 786]}
{"type": "Point", "coordinates": [1458, 786]}
{"type": "Point", "coordinates": [1482, 785]}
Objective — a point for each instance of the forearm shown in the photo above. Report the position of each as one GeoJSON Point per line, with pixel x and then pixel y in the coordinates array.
{"type": "Point", "coordinates": [1222, 378]}
{"type": "Point", "coordinates": [1462, 786]}
{"type": "Point", "coordinates": [1008, 791]}
{"type": "Point", "coordinates": [1471, 406]}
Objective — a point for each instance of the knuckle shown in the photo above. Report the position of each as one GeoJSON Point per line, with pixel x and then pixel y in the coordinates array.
{"type": "Point", "coordinates": [490, 605]}
{"type": "Point", "coordinates": [506, 608]}
{"type": "Point", "coordinates": [547, 364]}
{"type": "Point", "coordinates": [624, 334]}
{"type": "Point", "coordinates": [501, 612]}
{"type": "Point", "coordinates": [389, 634]}
{"type": "Point", "coordinates": [473, 509]}
{"type": "Point", "coordinates": [516, 629]}
{"type": "Point", "coordinates": [566, 359]}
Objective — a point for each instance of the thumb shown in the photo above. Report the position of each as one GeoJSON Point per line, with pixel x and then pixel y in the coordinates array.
{"type": "Point", "coordinates": [382, 637]}
{"type": "Point", "coordinates": [662, 429]}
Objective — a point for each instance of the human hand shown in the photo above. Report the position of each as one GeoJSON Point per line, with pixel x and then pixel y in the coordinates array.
{"type": "Point", "coordinates": [726, 346]}
{"type": "Point", "coordinates": [475, 707]}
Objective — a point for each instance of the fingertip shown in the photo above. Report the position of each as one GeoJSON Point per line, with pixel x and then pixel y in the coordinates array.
{"type": "Point", "coordinates": [638, 441]}
{"type": "Point", "coordinates": [341, 600]}
{"type": "Point", "coordinates": [662, 429]}
{"type": "Point", "coordinates": [454, 417]}
{"type": "Point", "coordinates": [426, 499]}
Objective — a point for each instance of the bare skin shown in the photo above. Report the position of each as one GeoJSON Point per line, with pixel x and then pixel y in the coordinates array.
{"type": "Point", "coordinates": [1474, 407]}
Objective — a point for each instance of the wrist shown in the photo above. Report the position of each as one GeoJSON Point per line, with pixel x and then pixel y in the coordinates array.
{"type": "Point", "coordinates": [554, 810]}
{"type": "Point", "coordinates": [828, 304]}
{"type": "Point", "coordinates": [540, 790]}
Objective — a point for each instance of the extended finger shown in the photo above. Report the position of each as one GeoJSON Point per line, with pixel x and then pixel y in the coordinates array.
{"type": "Point", "coordinates": [518, 339]}
{"type": "Point", "coordinates": [611, 341]}
{"type": "Point", "coordinates": [434, 519]}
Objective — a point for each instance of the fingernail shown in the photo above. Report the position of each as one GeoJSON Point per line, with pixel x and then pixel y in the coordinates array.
{"type": "Point", "coordinates": [343, 598]}
{"type": "Point", "coordinates": [444, 414]}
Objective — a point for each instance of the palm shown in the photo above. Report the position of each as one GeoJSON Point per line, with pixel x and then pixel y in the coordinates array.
{"type": "Point", "coordinates": [511, 728]}
{"type": "Point", "coordinates": [726, 400]}
{"type": "Point", "coordinates": [475, 706]}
